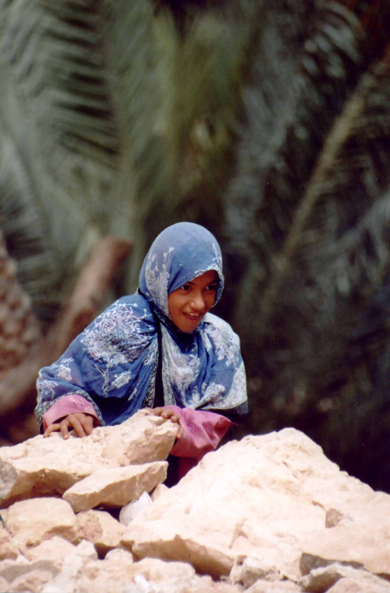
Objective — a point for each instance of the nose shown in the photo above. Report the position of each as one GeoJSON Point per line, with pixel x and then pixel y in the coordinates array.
{"type": "Point", "coordinates": [197, 301]}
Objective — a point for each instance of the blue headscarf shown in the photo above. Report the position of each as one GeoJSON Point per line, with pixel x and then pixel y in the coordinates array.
{"type": "Point", "coordinates": [113, 362]}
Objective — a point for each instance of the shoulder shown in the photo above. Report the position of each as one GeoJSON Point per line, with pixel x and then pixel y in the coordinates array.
{"type": "Point", "coordinates": [135, 300]}
{"type": "Point", "coordinates": [220, 337]}
{"type": "Point", "coordinates": [215, 326]}
{"type": "Point", "coordinates": [126, 315]}
{"type": "Point", "coordinates": [121, 333]}
{"type": "Point", "coordinates": [133, 305]}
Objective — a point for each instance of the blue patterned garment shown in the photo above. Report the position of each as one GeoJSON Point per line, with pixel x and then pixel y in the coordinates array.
{"type": "Point", "coordinates": [113, 362]}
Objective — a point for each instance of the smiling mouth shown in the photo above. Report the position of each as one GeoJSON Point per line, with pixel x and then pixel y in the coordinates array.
{"type": "Point", "coordinates": [194, 317]}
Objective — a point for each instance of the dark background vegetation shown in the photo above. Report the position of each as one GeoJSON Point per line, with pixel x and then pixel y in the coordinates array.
{"type": "Point", "coordinates": [267, 122]}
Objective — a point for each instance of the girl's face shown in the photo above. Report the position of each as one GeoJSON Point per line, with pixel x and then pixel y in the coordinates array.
{"type": "Point", "coordinates": [190, 303]}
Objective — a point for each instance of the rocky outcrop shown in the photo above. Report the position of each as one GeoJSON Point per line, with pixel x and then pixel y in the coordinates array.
{"type": "Point", "coordinates": [275, 499]}
{"type": "Point", "coordinates": [268, 514]}
{"type": "Point", "coordinates": [46, 467]}
{"type": "Point", "coordinates": [32, 521]}
{"type": "Point", "coordinates": [116, 486]}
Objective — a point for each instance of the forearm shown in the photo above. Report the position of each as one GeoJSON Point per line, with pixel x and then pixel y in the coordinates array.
{"type": "Point", "coordinates": [202, 432]}
{"type": "Point", "coordinates": [68, 404]}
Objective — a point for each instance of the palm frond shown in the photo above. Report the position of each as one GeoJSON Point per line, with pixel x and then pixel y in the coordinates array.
{"type": "Point", "coordinates": [374, 18]}
{"type": "Point", "coordinates": [23, 222]}
{"type": "Point", "coordinates": [308, 207]}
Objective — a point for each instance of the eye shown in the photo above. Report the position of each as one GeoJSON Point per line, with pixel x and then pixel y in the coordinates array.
{"type": "Point", "coordinates": [185, 287]}
{"type": "Point", "coordinates": [213, 287]}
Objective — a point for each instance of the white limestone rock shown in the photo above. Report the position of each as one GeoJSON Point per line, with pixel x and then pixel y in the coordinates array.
{"type": "Point", "coordinates": [364, 543]}
{"type": "Point", "coordinates": [263, 586]}
{"type": "Point", "coordinates": [249, 569]}
{"type": "Point", "coordinates": [325, 578]}
{"type": "Point", "coordinates": [159, 491]}
{"type": "Point", "coordinates": [85, 550]}
{"type": "Point", "coordinates": [16, 574]}
{"type": "Point", "coordinates": [123, 576]}
{"type": "Point", "coordinates": [100, 528]}
{"type": "Point", "coordinates": [31, 582]}
{"type": "Point", "coordinates": [130, 510]}
{"type": "Point", "coordinates": [50, 466]}
{"type": "Point", "coordinates": [73, 564]}
{"type": "Point", "coordinates": [270, 513]}
{"type": "Point", "coordinates": [120, 556]}
{"type": "Point", "coordinates": [8, 548]}
{"type": "Point", "coordinates": [36, 567]}
{"type": "Point", "coordinates": [348, 585]}
{"type": "Point", "coordinates": [263, 497]}
{"type": "Point", "coordinates": [32, 521]}
{"type": "Point", "coordinates": [115, 487]}
{"type": "Point", "coordinates": [55, 548]}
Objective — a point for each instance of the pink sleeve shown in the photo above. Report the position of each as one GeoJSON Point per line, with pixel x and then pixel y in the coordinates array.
{"type": "Point", "coordinates": [70, 404]}
{"type": "Point", "coordinates": [203, 432]}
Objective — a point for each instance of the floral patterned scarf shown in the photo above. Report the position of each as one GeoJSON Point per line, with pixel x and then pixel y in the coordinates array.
{"type": "Point", "coordinates": [113, 362]}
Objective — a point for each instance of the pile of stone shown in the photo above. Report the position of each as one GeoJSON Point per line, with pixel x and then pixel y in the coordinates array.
{"type": "Point", "coordinates": [268, 514]}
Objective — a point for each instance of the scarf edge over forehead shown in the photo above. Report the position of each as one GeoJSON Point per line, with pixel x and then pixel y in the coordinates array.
{"type": "Point", "coordinates": [113, 362]}
{"type": "Point", "coordinates": [179, 254]}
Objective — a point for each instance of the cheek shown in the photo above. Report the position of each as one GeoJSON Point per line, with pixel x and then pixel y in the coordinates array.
{"type": "Point", "coordinates": [210, 300]}
{"type": "Point", "coordinates": [174, 304]}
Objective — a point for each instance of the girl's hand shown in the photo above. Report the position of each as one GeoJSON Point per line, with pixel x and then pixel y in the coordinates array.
{"type": "Point", "coordinates": [81, 423]}
{"type": "Point", "coordinates": [166, 413]}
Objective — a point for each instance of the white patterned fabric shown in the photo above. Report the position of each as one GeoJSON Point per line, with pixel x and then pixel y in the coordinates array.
{"type": "Point", "coordinates": [113, 362]}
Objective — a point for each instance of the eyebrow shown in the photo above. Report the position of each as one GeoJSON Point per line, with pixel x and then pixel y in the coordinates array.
{"type": "Point", "coordinates": [208, 284]}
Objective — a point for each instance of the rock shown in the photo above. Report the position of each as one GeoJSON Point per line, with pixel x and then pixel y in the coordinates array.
{"type": "Point", "coordinates": [359, 544]}
{"type": "Point", "coordinates": [324, 579]}
{"type": "Point", "coordinates": [32, 521]}
{"type": "Point", "coordinates": [129, 511]}
{"type": "Point", "coordinates": [159, 491]}
{"type": "Point", "coordinates": [274, 587]}
{"type": "Point", "coordinates": [85, 550]}
{"type": "Point", "coordinates": [119, 555]}
{"type": "Point", "coordinates": [268, 514]}
{"type": "Point", "coordinates": [115, 487]}
{"type": "Point", "coordinates": [358, 586]}
{"type": "Point", "coordinates": [251, 569]}
{"type": "Point", "coordinates": [36, 567]}
{"type": "Point", "coordinates": [8, 549]}
{"type": "Point", "coordinates": [50, 466]}
{"type": "Point", "coordinates": [73, 564]}
{"type": "Point", "coordinates": [17, 573]}
{"type": "Point", "coordinates": [271, 494]}
{"type": "Point", "coordinates": [100, 528]}
{"type": "Point", "coordinates": [206, 557]}
{"type": "Point", "coordinates": [123, 576]}
{"type": "Point", "coordinates": [32, 581]}
{"type": "Point", "coordinates": [55, 548]}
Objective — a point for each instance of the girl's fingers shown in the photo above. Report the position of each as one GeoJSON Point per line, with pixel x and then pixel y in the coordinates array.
{"type": "Point", "coordinates": [79, 424]}
{"type": "Point", "coordinates": [64, 428]}
{"type": "Point", "coordinates": [51, 428]}
{"type": "Point", "coordinates": [175, 418]}
{"type": "Point", "coordinates": [88, 424]}
{"type": "Point", "coordinates": [164, 413]}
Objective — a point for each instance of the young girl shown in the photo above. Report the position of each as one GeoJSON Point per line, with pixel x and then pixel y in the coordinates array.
{"type": "Point", "coordinates": [159, 348]}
